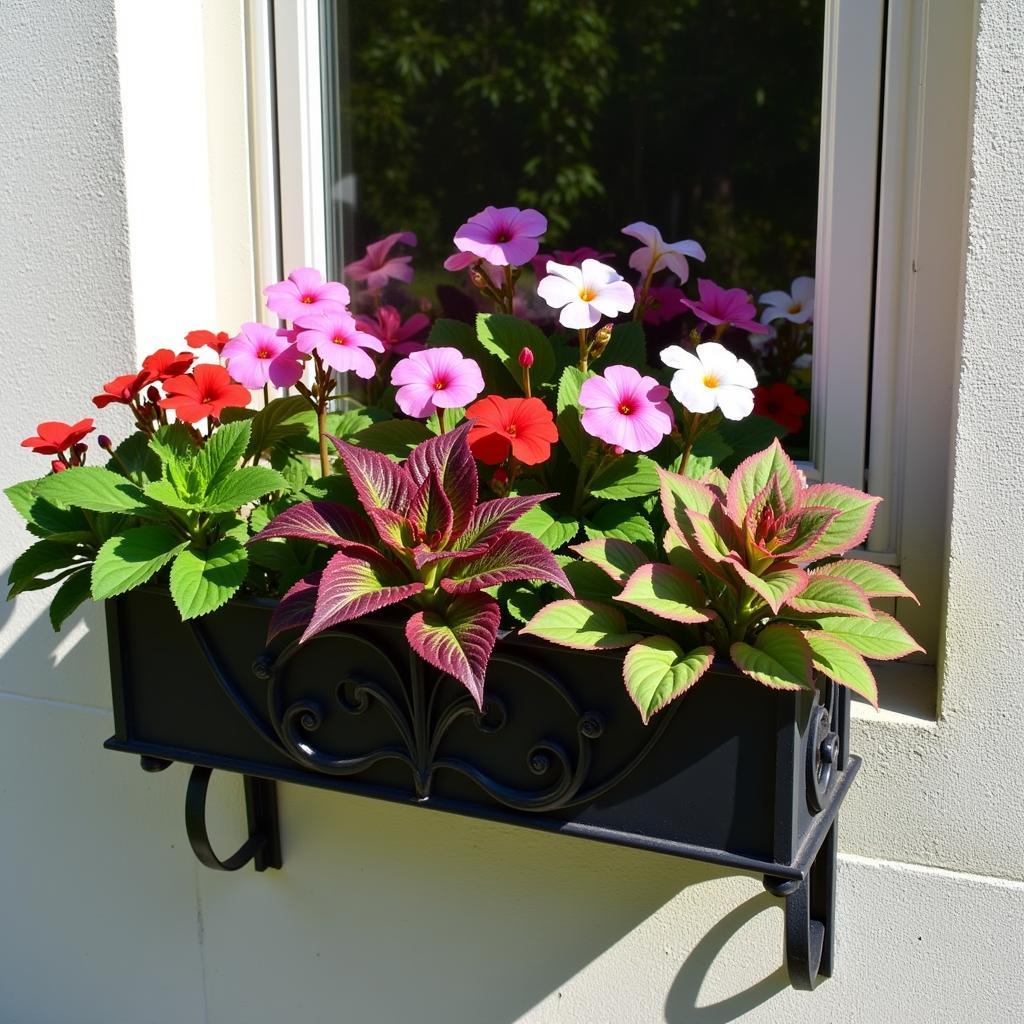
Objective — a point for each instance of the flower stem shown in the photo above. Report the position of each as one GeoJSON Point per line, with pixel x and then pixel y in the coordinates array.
{"type": "Point", "coordinates": [510, 289]}
{"type": "Point", "coordinates": [584, 349]}
{"type": "Point", "coordinates": [322, 392]}
{"type": "Point", "coordinates": [641, 302]}
{"type": "Point", "coordinates": [440, 419]}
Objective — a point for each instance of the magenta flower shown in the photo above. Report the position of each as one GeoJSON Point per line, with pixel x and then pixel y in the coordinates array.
{"type": "Point", "coordinates": [396, 337]}
{"type": "Point", "coordinates": [377, 267]}
{"type": "Point", "coordinates": [664, 303]}
{"type": "Point", "coordinates": [335, 337]}
{"type": "Point", "coordinates": [262, 355]}
{"type": "Point", "coordinates": [661, 254]}
{"type": "Point", "coordinates": [506, 237]}
{"type": "Point", "coordinates": [436, 378]}
{"type": "Point", "coordinates": [305, 291]}
{"type": "Point", "coordinates": [725, 306]}
{"type": "Point", "coordinates": [626, 410]}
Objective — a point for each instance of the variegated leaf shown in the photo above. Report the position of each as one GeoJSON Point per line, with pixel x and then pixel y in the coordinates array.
{"type": "Point", "coordinates": [850, 528]}
{"type": "Point", "coordinates": [430, 512]}
{"type": "Point", "coordinates": [379, 482]}
{"type": "Point", "coordinates": [753, 474]}
{"type": "Point", "coordinates": [581, 625]}
{"type": "Point", "coordinates": [776, 587]}
{"type": "Point", "coordinates": [322, 521]}
{"type": "Point", "coordinates": [830, 595]}
{"type": "Point", "coordinates": [618, 558]}
{"type": "Point", "coordinates": [679, 493]}
{"type": "Point", "coordinates": [492, 518]}
{"type": "Point", "coordinates": [842, 663]}
{"type": "Point", "coordinates": [295, 609]}
{"type": "Point", "coordinates": [657, 671]}
{"type": "Point", "coordinates": [449, 456]}
{"type": "Point", "coordinates": [874, 579]}
{"type": "Point", "coordinates": [513, 556]}
{"type": "Point", "coordinates": [779, 657]}
{"type": "Point", "coordinates": [666, 592]}
{"type": "Point", "coordinates": [881, 638]}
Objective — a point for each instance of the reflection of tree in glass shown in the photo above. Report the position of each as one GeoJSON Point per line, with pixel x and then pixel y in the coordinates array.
{"type": "Point", "coordinates": [700, 116]}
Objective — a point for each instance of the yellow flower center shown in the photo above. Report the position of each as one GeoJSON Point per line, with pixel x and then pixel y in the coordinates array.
{"type": "Point", "coordinates": [588, 294]}
{"type": "Point", "coordinates": [339, 341]}
{"type": "Point", "coordinates": [263, 354]}
{"type": "Point", "coordinates": [625, 409]}
{"type": "Point", "coordinates": [796, 307]}
{"type": "Point", "coordinates": [711, 381]}
{"type": "Point", "coordinates": [307, 299]}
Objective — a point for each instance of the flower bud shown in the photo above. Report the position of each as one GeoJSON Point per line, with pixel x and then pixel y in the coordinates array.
{"type": "Point", "coordinates": [104, 442]}
{"type": "Point", "coordinates": [478, 278]}
{"type": "Point", "coordinates": [601, 339]}
{"type": "Point", "coordinates": [57, 466]}
{"type": "Point", "coordinates": [525, 358]}
{"type": "Point", "coordinates": [499, 481]}
{"type": "Point", "coordinates": [619, 450]}
{"type": "Point", "coordinates": [152, 395]}
{"type": "Point", "coordinates": [80, 448]}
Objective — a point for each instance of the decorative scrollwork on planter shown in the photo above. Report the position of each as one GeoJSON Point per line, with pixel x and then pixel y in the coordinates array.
{"type": "Point", "coordinates": [823, 747]}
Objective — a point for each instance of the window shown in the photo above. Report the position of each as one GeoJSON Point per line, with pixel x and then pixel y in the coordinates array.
{"type": "Point", "coordinates": [789, 137]}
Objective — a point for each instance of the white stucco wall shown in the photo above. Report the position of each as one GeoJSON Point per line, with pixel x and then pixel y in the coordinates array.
{"type": "Point", "coordinates": [384, 914]}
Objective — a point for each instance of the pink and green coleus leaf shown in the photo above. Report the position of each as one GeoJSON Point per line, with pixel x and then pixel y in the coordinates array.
{"type": "Point", "coordinates": [657, 671]}
{"type": "Point", "coordinates": [295, 609]}
{"type": "Point", "coordinates": [775, 587]}
{"type": "Point", "coordinates": [618, 558]}
{"type": "Point", "coordinates": [448, 455]}
{"type": "Point", "coordinates": [779, 657]}
{"type": "Point", "coordinates": [492, 518]}
{"type": "Point", "coordinates": [666, 592]}
{"type": "Point", "coordinates": [842, 663]}
{"type": "Point", "coordinates": [849, 529]}
{"type": "Point", "coordinates": [459, 640]}
{"type": "Point", "coordinates": [830, 595]}
{"type": "Point", "coordinates": [321, 521]}
{"type": "Point", "coordinates": [881, 638]}
{"type": "Point", "coordinates": [513, 556]}
{"type": "Point", "coordinates": [581, 625]}
{"type": "Point", "coordinates": [353, 587]}
{"type": "Point", "coordinates": [681, 493]}
{"type": "Point", "coordinates": [379, 482]}
{"type": "Point", "coordinates": [874, 579]}
{"type": "Point", "coordinates": [802, 529]}
{"type": "Point", "coordinates": [752, 475]}
{"type": "Point", "coordinates": [430, 513]}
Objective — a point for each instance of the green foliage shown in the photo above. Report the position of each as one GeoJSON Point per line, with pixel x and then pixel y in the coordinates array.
{"type": "Point", "coordinates": [203, 579]}
{"type": "Point", "coordinates": [504, 337]}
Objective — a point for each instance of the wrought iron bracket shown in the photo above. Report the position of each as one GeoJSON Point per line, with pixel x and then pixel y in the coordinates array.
{"type": "Point", "coordinates": [810, 916]}
{"type": "Point", "coordinates": [263, 847]}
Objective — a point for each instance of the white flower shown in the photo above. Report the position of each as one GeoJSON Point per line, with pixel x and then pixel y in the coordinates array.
{"type": "Point", "coordinates": [796, 305]}
{"type": "Point", "coordinates": [663, 254]}
{"type": "Point", "coordinates": [584, 294]}
{"type": "Point", "coordinates": [713, 378]}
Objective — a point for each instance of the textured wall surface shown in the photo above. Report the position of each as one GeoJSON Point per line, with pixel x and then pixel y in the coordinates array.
{"type": "Point", "coordinates": [385, 913]}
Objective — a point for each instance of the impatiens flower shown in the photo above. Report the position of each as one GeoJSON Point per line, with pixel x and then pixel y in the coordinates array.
{"type": "Point", "coordinates": [725, 306]}
{"type": "Point", "coordinates": [505, 236]}
{"type": "Point", "coordinates": [54, 437]}
{"type": "Point", "coordinates": [572, 257]}
{"type": "Point", "coordinates": [378, 267]}
{"type": "Point", "coordinates": [263, 355]}
{"type": "Point", "coordinates": [522, 426]}
{"type": "Point", "coordinates": [164, 364]}
{"type": "Point", "coordinates": [207, 339]}
{"type": "Point", "coordinates": [124, 389]}
{"type": "Point", "coordinates": [584, 294]}
{"type": "Point", "coordinates": [207, 391]}
{"type": "Point", "coordinates": [661, 254]}
{"type": "Point", "coordinates": [396, 336]}
{"type": "Point", "coordinates": [304, 292]}
{"type": "Point", "coordinates": [663, 304]}
{"type": "Point", "coordinates": [436, 378]}
{"type": "Point", "coordinates": [336, 338]}
{"type": "Point", "coordinates": [781, 402]}
{"type": "Point", "coordinates": [796, 305]}
{"type": "Point", "coordinates": [626, 410]}
{"type": "Point", "coordinates": [713, 378]}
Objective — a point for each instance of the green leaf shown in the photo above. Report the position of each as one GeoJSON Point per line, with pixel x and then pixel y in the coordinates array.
{"type": "Point", "coordinates": [589, 583]}
{"type": "Point", "coordinates": [582, 625]}
{"type": "Point", "coordinates": [567, 408]}
{"type": "Point", "coordinates": [875, 580]}
{"type": "Point", "coordinates": [881, 638]}
{"type": "Point", "coordinates": [29, 567]}
{"type": "Point", "coordinates": [460, 335]}
{"type": "Point", "coordinates": [504, 337]}
{"type": "Point", "coordinates": [679, 554]}
{"type": "Point", "coordinates": [452, 418]}
{"type": "Point", "coordinates": [92, 488]}
{"type": "Point", "coordinates": [128, 560]}
{"type": "Point", "coordinates": [842, 663]}
{"type": "Point", "coordinates": [627, 476]}
{"type": "Point", "coordinates": [775, 587]}
{"type": "Point", "coordinates": [754, 474]}
{"type": "Point", "coordinates": [176, 448]}
{"type": "Point", "coordinates": [751, 434]}
{"type": "Point", "coordinates": [62, 525]}
{"type": "Point", "coordinates": [621, 521]}
{"type": "Point", "coordinates": [70, 594]}
{"type": "Point", "coordinates": [222, 452]}
{"type": "Point", "coordinates": [656, 671]}
{"type": "Point", "coordinates": [828, 595]}
{"type": "Point", "coordinates": [666, 592]}
{"type": "Point", "coordinates": [615, 557]}
{"type": "Point", "coordinates": [163, 492]}
{"type": "Point", "coordinates": [277, 421]}
{"type": "Point", "coordinates": [21, 496]}
{"type": "Point", "coordinates": [628, 347]}
{"type": "Point", "coordinates": [780, 657]}
{"type": "Point", "coordinates": [204, 579]}
{"type": "Point", "coordinates": [395, 438]}
{"type": "Point", "coordinates": [523, 599]}
{"type": "Point", "coordinates": [135, 458]}
{"type": "Point", "coordinates": [242, 487]}
{"type": "Point", "coordinates": [553, 532]}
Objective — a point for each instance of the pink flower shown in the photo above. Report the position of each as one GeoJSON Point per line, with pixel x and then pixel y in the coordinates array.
{"type": "Point", "coordinates": [460, 260]}
{"type": "Point", "coordinates": [376, 268]}
{"type": "Point", "coordinates": [725, 306]}
{"type": "Point", "coordinates": [262, 355]}
{"type": "Point", "coordinates": [505, 237]}
{"type": "Point", "coordinates": [625, 409]}
{"type": "Point", "coordinates": [305, 291]}
{"type": "Point", "coordinates": [396, 337]}
{"type": "Point", "coordinates": [663, 304]}
{"type": "Point", "coordinates": [660, 253]}
{"type": "Point", "coordinates": [436, 378]}
{"type": "Point", "coordinates": [584, 294]}
{"type": "Point", "coordinates": [335, 337]}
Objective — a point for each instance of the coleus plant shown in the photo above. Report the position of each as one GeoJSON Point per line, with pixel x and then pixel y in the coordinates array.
{"type": "Point", "coordinates": [753, 574]}
{"type": "Point", "coordinates": [426, 543]}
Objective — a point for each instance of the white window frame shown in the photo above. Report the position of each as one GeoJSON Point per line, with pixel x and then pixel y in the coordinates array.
{"type": "Point", "coordinates": [882, 60]}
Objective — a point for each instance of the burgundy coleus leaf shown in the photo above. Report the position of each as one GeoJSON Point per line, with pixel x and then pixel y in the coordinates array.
{"type": "Point", "coordinates": [458, 640]}
{"type": "Point", "coordinates": [430, 514]}
{"type": "Point", "coordinates": [393, 528]}
{"type": "Point", "coordinates": [513, 556]}
{"type": "Point", "coordinates": [491, 518]}
{"type": "Point", "coordinates": [423, 555]}
{"type": "Point", "coordinates": [295, 609]}
{"type": "Point", "coordinates": [379, 482]}
{"type": "Point", "coordinates": [320, 521]}
{"type": "Point", "coordinates": [352, 587]}
{"type": "Point", "coordinates": [448, 455]}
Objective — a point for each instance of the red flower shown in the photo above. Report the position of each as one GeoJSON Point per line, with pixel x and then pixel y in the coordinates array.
{"type": "Point", "coordinates": [123, 389]}
{"type": "Point", "coordinates": [198, 339]}
{"type": "Point", "coordinates": [55, 437]}
{"type": "Point", "coordinates": [523, 426]}
{"type": "Point", "coordinates": [207, 391]}
{"type": "Point", "coordinates": [164, 364]}
{"type": "Point", "coordinates": [780, 402]}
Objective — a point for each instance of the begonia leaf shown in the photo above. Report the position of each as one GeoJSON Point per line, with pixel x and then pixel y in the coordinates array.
{"type": "Point", "coordinates": [842, 664]}
{"type": "Point", "coordinates": [657, 671]}
{"type": "Point", "coordinates": [666, 592]}
{"type": "Point", "coordinates": [779, 657]}
{"type": "Point", "coordinates": [581, 625]}
{"type": "Point", "coordinates": [128, 559]}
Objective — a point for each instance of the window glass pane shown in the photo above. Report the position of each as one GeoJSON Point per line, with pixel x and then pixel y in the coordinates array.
{"type": "Point", "coordinates": [701, 117]}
